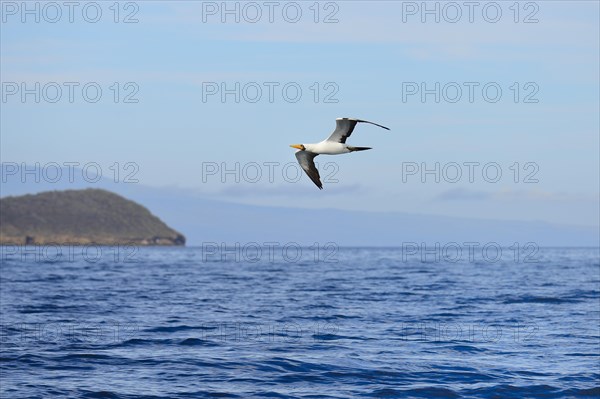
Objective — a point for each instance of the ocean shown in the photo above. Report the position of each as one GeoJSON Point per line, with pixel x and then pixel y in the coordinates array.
{"type": "Point", "coordinates": [264, 321]}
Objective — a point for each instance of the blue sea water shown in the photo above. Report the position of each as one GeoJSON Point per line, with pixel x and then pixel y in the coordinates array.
{"type": "Point", "coordinates": [338, 323]}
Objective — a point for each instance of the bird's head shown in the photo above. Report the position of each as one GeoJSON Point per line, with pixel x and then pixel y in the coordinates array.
{"type": "Point", "coordinates": [298, 146]}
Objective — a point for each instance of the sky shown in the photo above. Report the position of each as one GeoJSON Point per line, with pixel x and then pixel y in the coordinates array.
{"type": "Point", "coordinates": [493, 108]}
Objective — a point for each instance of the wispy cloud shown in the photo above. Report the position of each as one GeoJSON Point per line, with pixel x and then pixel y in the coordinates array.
{"type": "Point", "coordinates": [288, 190]}
{"type": "Point", "coordinates": [463, 194]}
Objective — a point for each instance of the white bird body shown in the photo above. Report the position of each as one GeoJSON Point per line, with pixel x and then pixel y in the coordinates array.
{"type": "Point", "coordinates": [333, 145]}
{"type": "Point", "coordinates": [327, 147]}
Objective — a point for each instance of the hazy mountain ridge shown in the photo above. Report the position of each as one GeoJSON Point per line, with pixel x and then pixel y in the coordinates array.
{"type": "Point", "coordinates": [207, 219]}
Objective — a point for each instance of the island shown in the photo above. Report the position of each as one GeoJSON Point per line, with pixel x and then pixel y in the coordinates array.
{"type": "Point", "coordinates": [90, 216]}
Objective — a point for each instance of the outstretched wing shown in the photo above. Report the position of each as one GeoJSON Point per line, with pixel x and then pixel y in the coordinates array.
{"type": "Point", "coordinates": [307, 161]}
{"type": "Point", "coordinates": [344, 128]}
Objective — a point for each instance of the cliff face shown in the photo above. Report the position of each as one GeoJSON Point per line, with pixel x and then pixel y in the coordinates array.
{"type": "Point", "coordinates": [81, 217]}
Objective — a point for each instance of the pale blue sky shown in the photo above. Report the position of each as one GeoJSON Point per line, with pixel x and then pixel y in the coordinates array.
{"type": "Point", "coordinates": [368, 54]}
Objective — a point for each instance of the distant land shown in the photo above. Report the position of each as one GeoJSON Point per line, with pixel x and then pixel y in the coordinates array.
{"type": "Point", "coordinates": [81, 217]}
{"type": "Point", "coordinates": [204, 218]}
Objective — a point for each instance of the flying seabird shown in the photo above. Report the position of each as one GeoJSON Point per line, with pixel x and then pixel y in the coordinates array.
{"type": "Point", "coordinates": [333, 145]}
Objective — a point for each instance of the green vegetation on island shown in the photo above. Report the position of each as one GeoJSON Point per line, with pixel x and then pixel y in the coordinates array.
{"type": "Point", "coordinates": [81, 217]}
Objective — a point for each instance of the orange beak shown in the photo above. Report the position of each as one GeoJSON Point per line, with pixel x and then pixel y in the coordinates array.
{"type": "Point", "coordinates": [298, 146]}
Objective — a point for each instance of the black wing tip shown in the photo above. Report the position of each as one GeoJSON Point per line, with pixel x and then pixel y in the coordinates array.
{"type": "Point", "coordinates": [372, 123]}
{"type": "Point", "coordinates": [318, 184]}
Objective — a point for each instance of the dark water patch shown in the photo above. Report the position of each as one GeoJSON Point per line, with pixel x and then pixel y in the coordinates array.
{"type": "Point", "coordinates": [207, 394]}
{"type": "Point", "coordinates": [115, 395]}
{"type": "Point", "coordinates": [541, 300]}
{"type": "Point", "coordinates": [171, 329]}
{"type": "Point", "coordinates": [586, 393]}
{"type": "Point", "coordinates": [526, 391]}
{"type": "Point", "coordinates": [86, 356]}
{"type": "Point", "coordinates": [270, 394]}
{"type": "Point", "coordinates": [429, 392]}
{"type": "Point", "coordinates": [197, 342]}
{"type": "Point", "coordinates": [466, 349]}
{"type": "Point", "coordinates": [330, 337]}
{"type": "Point", "coordinates": [101, 395]}
{"type": "Point", "coordinates": [583, 354]}
{"type": "Point", "coordinates": [140, 342]}
{"type": "Point", "coordinates": [52, 309]}
{"type": "Point", "coordinates": [386, 393]}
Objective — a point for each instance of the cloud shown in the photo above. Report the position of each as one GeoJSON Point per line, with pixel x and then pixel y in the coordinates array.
{"type": "Point", "coordinates": [463, 194]}
{"type": "Point", "coordinates": [288, 190]}
{"type": "Point", "coordinates": [383, 22]}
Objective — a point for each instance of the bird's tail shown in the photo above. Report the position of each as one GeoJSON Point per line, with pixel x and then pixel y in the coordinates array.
{"type": "Point", "coordinates": [352, 149]}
